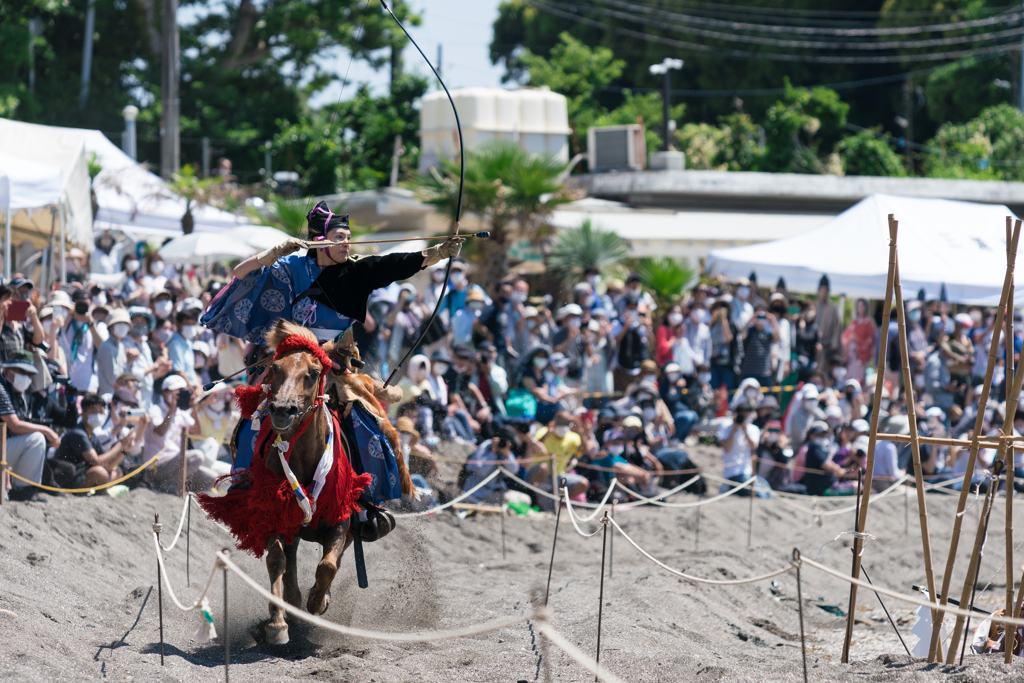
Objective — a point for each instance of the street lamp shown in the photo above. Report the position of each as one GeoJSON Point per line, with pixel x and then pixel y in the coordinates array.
{"type": "Point", "coordinates": [664, 68]}
{"type": "Point", "coordinates": [128, 142]}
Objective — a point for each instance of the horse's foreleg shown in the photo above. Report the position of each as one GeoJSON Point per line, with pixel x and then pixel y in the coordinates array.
{"type": "Point", "coordinates": [277, 563]}
{"type": "Point", "coordinates": [334, 542]}
{"type": "Point", "coordinates": [292, 592]}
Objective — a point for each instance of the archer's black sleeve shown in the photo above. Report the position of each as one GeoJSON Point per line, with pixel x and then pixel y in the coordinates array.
{"type": "Point", "coordinates": [347, 286]}
{"type": "Point", "coordinates": [374, 272]}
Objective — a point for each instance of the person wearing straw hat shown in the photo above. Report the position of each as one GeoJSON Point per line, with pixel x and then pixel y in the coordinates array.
{"type": "Point", "coordinates": [112, 356]}
{"type": "Point", "coordinates": [163, 438]}
{"type": "Point", "coordinates": [26, 441]}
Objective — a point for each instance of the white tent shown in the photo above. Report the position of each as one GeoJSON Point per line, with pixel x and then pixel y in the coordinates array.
{"type": "Point", "coordinates": [961, 245]}
{"type": "Point", "coordinates": [33, 156]}
{"type": "Point", "coordinates": [137, 202]}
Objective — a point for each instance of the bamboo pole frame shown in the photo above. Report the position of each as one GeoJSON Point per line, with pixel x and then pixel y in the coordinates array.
{"type": "Point", "coordinates": [985, 442]}
{"type": "Point", "coordinates": [1008, 454]}
{"type": "Point", "coordinates": [869, 465]}
{"type": "Point", "coordinates": [184, 464]}
{"type": "Point", "coordinates": [915, 444]}
{"type": "Point", "coordinates": [947, 575]}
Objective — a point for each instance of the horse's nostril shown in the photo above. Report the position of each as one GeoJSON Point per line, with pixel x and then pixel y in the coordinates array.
{"type": "Point", "coordinates": [285, 411]}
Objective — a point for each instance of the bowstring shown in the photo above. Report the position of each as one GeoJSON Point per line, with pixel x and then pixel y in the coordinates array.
{"type": "Point", "coordinates": [458, 205]}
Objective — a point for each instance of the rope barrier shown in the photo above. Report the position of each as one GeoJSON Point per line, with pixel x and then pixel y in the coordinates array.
{"type": "Point", "coordinates": [181, 523]}
{"type": "Point", "coordinates": [699, 503]}
{"type": "Point", "coordinates": [451, 502]}
{"type": "Point", "coordinates": [697, 579]}
{"type": "Point", "coordinates": [572, 515]}
{"type": "Point", "coordinates": [657, 500]}
{"type": "Point", "coordinates": [198, 604]}
{"type": "Point", "coordinates": [556, 638]}
{"type": "Point", "coordinates": [91, 489]}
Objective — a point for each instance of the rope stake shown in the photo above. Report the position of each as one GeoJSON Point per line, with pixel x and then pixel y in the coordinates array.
{"type": "Point", "coordinates": [800, 608]}
{"type": "Point", "coordinates": [554, 543]}
{"type": "Point", "coordinates": [600, 595]}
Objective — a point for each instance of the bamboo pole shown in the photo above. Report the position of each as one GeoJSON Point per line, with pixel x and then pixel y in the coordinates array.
{"type": "Point", "coordinates": [993, 353]}
{"type": "Point", "coordinates": [184, 465]}
{"type": "Point", "coordinates": [915, 444]}
{"type": "Point", "coordinates": [984, 442]}
{"type": "Point", "coordinates": [1008, 454]}
{"type": "Point", "coordinates": [862, 518]}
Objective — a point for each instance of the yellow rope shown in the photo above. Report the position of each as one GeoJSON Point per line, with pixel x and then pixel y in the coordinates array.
{"type": "Point", "coordinates": [91, 488]}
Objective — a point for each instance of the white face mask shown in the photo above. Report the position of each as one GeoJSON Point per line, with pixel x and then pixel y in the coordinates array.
{"type": "Point", "coordinates": [540, 362]}
{"type": "Point", "coordinates": [615, 449]}
{"type": "Point", "coordinates": [588, 301]}
{"type": "Point", "coordinates": [672, 377]}
{"type": "Point", "coordinates": [437, 276]}
{"type": "Point", "coordinates": [156, 268]}
{"type": "Point", "coordinates": [704, 377]}
{"type": "Point", "coordinates": [752, 393]}
{"type": "Point", "coordinates": [649, 414]}
{"type": "Point", "coordinates": [131, 265]}
{"type": "Point", "coordinates": [95, 420]}
{"type": "Point", "coordinates": [521, 297]}
{"type": "Point", "coordinates": [21, 382]}
{"type": "Point", "coordinates": [531, 324]}
{"type": "Point", "coordinates": [119, 330]}
{"type": "Point", "coordinates": [439, 368]}
{"type": "Point", "coordinates": [561, 430]}
{"type": "Point", "coordinates": [47, 326]}
{"type": "Point", "coordinates": [189, 331]}
{"type": "Point", "coordinates": [163, 335]}
{"type": "Point", "coordinates": [675, 318]}
{"type": "Point", "coordinates": [162, 308]}
{"type": "Point", "coordinates": [457, 278]}
{"type": "Point", "coordinates": [199, 361]}
{"type": "Point", "coordinates": [219, 406]}
{"type": "Point", "coordinates": [574, 323]}
{"type": "Point", "coordinates": [476, 305]}
{"type": "Point", "coordinates": [743, 292]}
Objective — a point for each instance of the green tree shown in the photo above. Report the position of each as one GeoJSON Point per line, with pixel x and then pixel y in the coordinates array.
{"type": "Point", "coordinates": [588, 246]}
{"type": "Point", "coordinates": [988, 147]}
{"type": "Point", "coordinates": [194, 190]}
{"type": "Point", "coordinates": [665, 278]}
{"type": "Point", "coordinates": [733, 145]}
{"type": "Point", "coordinates": [801, 129]}
{"type": "Point", "coordinates": [513, 191]}
{"type": "Point", "coordinates": [357, 153]}
{"type": "Point", "coordinates": [866, 154]}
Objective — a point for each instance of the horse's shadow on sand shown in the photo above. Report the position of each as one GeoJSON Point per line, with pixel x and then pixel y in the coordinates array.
{"type": "Point", "coordinates": [249, 645]}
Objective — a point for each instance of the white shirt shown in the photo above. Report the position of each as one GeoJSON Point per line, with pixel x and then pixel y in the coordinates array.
{"type": "Point", "coordinates": [168, 445]}
{"type": "Point", "coordinates": [737, 460]}
{"type": "Point", "coordinates": [887, 466]}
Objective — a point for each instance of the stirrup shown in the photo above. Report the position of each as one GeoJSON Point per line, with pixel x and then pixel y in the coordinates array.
{"type": "Point", "coordinates": [379, 523]}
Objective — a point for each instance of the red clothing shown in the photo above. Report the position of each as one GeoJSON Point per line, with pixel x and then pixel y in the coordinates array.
{"type": "Point", "coordinates": [666, 340]}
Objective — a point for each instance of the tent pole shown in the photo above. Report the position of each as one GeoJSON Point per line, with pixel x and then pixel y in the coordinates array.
{"type": "Point", "coordinates": [63, 251]}
{"type": "Point", "coordinates": [7, 241]}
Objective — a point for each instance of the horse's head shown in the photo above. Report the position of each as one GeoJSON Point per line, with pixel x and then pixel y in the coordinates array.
{"type": "Point", "coordinates": [345, 353]}
{"type": "Point", "coordinates": [296, 379]}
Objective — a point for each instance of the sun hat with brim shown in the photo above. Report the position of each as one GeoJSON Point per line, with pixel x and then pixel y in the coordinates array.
{"type": "Point", "coordinates": [898, 424]}
{"type": "Point", "coordinates": [558, 360]}
{"type": "Point", "coordinates": [20, 360]}
{"type": "Point", "coordinates": [613, 435]}
{"type": "Point", "coordinates": [567, 310]}
{"type": "Point", "coordinates": [119, 315]}
{"type": "Point", "coordinates": [143, 312]}
{"type": "Point", "coordinates": [174, 383]}
{"type": "Point", "coordinates": [475, 294]}
{"type": "Point", "coordinates": [861, 443]}
{"type": "Point", "coordinates": [529, 312]}
{"type": "Point", "coordinates": [19, 282]}
{"type": "Point", "coordinates": [405, 425]}
{"type": "Point", "coordinates": [860, 426]}
{"type": "Point", "coordinates": [935, 411]}
{"type": "Point", "coordinates": [818, 427]}
{"type": "Point", "coordinates": [45, 312]}
{"type": "Point", "coordinates": [634, 422]}
{"type": "Point", "coordinates": [126, 397]}
{"type": "Point", "coordinates": [59, 298]}
{"type": "Point", "coordinates": [200, 347]}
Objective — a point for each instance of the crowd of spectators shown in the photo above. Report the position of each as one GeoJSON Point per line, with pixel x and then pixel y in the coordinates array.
{"type": "Point", "coordinates": [104, 374]}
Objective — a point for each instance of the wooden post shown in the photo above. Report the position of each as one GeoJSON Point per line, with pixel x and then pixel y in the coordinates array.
{"type": "Point", "coordinates": [915, 444]}
{"type": "Point", "coordinates": [958, 519]}
{"type": "Point", "coordinates": [3, 461]}
{"type": "Point", "coordinates": [184, 465]}
{"type": "Point", "coordinates": [862, 518]}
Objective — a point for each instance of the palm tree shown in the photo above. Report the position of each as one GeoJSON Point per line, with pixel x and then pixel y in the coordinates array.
{"type": "Point", "coordinates": [506, 187]}
{"type": "Point", "coordinates": [288, 215]}
{"type": "Point", "coordinates": [665, 278]}
{"type": "Point", "coordinates": [194, 190]}
{"type": "Point", "coordinates": [577, 249]}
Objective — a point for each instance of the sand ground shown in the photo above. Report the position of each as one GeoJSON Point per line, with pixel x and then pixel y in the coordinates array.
{"type": "Point", "coordinates": [78, 599]}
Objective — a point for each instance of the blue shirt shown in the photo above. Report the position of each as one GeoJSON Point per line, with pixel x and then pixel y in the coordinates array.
{"type": "Point", "coordinates": [179, 350]}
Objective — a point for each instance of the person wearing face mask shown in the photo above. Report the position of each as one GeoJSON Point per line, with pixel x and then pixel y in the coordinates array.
{"type": "Point", "coordinates": [820, 474]}
{"type": "Point", "coordinates": [758, 338]}
{"type": "Point", "coordinates": [162, 304]}
{"type": "Point", "coordinates": [570, 340]}
{"type": "Point", "coordinates": [140, 354]}
{"type": "Point", "coordinates": [163, 439]}
{"type": "Point", "coordinates": [670, 332]}
{"type": "Point", "coordinates": [201, 358]}
{"type": "Point", "coordinates": [565, 446]}
{"type": "Point", "coordinates": [774, 457]}
{"type": "Point", "coordinates": [635, 290]}
{"type": "Point", "coordinates": [154, 278]}
{"type": "Point", "coordinates": [724, 345]}
{"type": "Point", "coordinates": [467, 317]}
{"type": "Point", "coordinates": [216, 423]}
{"type": "Point", "coordinates": [805, 341]}
{"type": "Point", "coordinates": [634, 338]}
{"type": "Point", "coordinates": [531, 331]}
{"type": "Point", "coordinates": [781, 350]}
{"type": "Point", "coordinates": [14, 335]}
{"type": "Point", "coordinates": [112, 356]}
{"type": "Point", "coordinates": [107, 255]}
{"type": "Point", "coordinates": [496, 323]}
{"type": "Point", "coordinates": [132, 267]}
{"type": "Point", "coordinates": [830, 328]}
{"type": "Point", "coordinates": [26, 440]}
{"type": "Point", "coordinates": [416, 383]}
{"type": "Point", "coordinates": [179, 348]}
{"type": "Point", "coordinates": [89, 460]}
{"type": "Point", "coordinates": [739, 440]}
{"type": "Point", "coordinates": [80, 339]}
{"type": "Point", "coordinates": [52, 320]}
{"type": "Point", "coordinates": [801, 413]}
{"type": "Point", "coordinates": [677, 403]}
{"type": "Point", "coordinates": [742, 310]}
{"type": "Point", "coordinates": [613, 465]}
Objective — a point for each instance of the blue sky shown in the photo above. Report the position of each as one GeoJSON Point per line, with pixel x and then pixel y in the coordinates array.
{"type": "Point", "coordinates": [462, 26]}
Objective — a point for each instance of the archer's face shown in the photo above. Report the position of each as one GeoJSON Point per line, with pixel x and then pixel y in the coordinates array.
{"type": "Point", "coordinates": [339, 253]}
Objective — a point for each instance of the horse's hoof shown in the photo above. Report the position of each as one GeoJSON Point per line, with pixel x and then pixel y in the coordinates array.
{"type": "Point", "coordinates": [312, 604]}
{"type": "Point", "coordinates": [277, 636]}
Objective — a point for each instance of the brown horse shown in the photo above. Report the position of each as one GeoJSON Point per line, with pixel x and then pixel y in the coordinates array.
{"type": "Point", "coordinates": [295, 383]}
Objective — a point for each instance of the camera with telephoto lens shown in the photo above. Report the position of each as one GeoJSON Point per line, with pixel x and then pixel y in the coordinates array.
{"type": "Point", "coordinates": [70, 390]}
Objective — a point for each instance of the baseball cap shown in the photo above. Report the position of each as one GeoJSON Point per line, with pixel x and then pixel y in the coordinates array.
{"type": "Point", "coordinates": [613, 435]}
{"type": "Point", "coordinates": [174, 383]}
{"type": "Point", "coordinates": [861, 443]}
{"type": "Point", "coordinates": [860, 426]}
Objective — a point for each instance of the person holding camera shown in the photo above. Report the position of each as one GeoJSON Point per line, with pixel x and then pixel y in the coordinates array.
{"type": "Point", "coordinates": [488, 456]}
{"type": "Point", "coordinates": [26, 439]}
{"type": "Point", "coordinates": [85, 456]}
{"type": "Point", "coordinates": [176, 411]}
{"type": "Point", "coordinates": [14, 312]}
{"type": "Point", "coordinates": [80, 340]}
{"type": "Point", "coordinates": [758, 338]}
{"type": "Point", "coordinates": [739, 441]}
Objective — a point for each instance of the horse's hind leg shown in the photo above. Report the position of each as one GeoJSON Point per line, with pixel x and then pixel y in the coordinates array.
{"type": "Point", "coordinates": [334, 542]}
{"type": "Point", "coordinates": [277, 562]}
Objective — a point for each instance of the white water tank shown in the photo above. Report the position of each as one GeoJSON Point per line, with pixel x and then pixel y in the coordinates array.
{"type": "Point", "coordinates": [536, 118]}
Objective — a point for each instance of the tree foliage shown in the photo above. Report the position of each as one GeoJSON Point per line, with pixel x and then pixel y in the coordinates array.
{"type": "Point", "coordinates": [513, 191]}
{"type": "Point", "coordinates": [588, 246]}
{"type": "Point", "coordinates": [988, 147]}
{"type": "Point", "coordinates": [666, 278]}
{"type": "Point", "coordinates": [866, 154]}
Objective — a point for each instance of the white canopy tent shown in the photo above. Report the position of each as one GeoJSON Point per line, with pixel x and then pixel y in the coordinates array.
{"type": "Point", "coordinates": [961, 245]}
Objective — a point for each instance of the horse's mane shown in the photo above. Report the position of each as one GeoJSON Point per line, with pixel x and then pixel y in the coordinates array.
{"type": "Point", "coordinates": [284, 329]}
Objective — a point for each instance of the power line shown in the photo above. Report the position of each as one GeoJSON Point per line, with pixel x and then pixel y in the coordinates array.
{"type": "Point", "coordinates": [757, 92]}
{"type": "Point", "coordinates": [775, 56]}
{"type": "Point", "coordinates": [839, 14]}
{"type": "Point", "coordinates": [935, 151]}
{"type": "Point", "coordinates": [801, 44]}
{"type": "Point", "coordinates": [1008, 18]}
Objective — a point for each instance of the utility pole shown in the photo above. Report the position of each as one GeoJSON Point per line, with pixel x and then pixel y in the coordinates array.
{"type": "Point", "coordinates": [267, 159]}
{"type": "Point", "coordinates": [665, 68]}
{"type": "Point", "coordinates": [1021, 88]}
{"type": "Point", "coordinates": [129, 145]}
{"type": "Point", "coordinates": [206, 157]}
{"type": "Point", "coordinates": [90, 29]}
{"type": "Point", "coordinates": [35, 29]}
{"type": "Point", "coordinates": [170, 135]}
{"type": "Point", "coordinates": [908, 115]}
{"type": "Point", "coordinates": [438, 64]}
